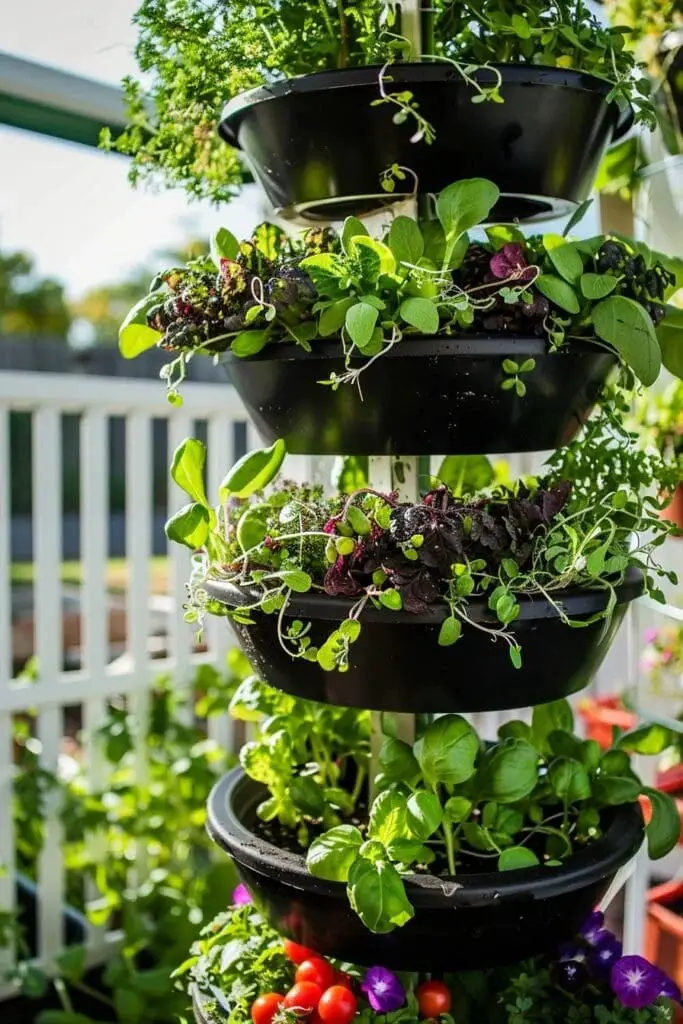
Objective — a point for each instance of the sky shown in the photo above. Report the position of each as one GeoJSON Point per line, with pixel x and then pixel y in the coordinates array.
{"type": "Point", "coordinates": [70, 206]}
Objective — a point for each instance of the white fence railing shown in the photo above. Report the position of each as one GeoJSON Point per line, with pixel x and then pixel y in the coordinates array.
{"type": "Point", "coordinates": [47, 398]}
{"type": "Point", "coordinates": [95, 400]}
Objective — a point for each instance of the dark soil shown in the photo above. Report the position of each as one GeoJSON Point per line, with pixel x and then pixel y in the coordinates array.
{"type": "Point", "coordinates": [468, 862]}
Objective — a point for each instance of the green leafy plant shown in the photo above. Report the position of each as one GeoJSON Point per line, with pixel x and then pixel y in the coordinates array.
{"type": "Point", "coordinates": [532, 798]}
{"type": "Point", "coordinates": [312, 757]}
{"type": "Point", "coordinates": [196, 57]}
{"type": "Point", "coordinates": [651, 30]}
{"type": "Point", "coordinates": [160, 814]}
{"type": "Point", "coordinates": [537, 537]}
{"type": "Point", "coordinates": [420, 280]}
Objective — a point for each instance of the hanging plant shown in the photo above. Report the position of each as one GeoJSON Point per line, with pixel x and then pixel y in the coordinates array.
{"type": "Point", "coordinates": [446, 552]}
{"type": "Point", "coordinates": [420, 280]}
{"type": "Point", "coordinates": [199, 55]}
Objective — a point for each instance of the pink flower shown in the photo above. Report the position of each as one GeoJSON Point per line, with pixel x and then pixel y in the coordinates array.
{"type": "Point", "coordinates": [510, 262]}
{"type": "Point", "coordinates": [240, 895]}
{"type": "Point", "coordinates": [651, 635]}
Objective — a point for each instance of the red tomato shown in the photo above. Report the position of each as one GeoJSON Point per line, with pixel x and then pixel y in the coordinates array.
{"type": "Point", "coordinates": [343, 979]}
{"type": "Point", "coordinates": [303, 997]}
{"type": "Point", "coordinates": [337, 1005]}
{"type": "Point", "coordinates": [433, 998]}
{"type": "Point", "coordinates": [296, 953]}
{"type": "Point", "coordinates": [264, 1008]}
{"type": "Point", "coordinates": [316, 970]}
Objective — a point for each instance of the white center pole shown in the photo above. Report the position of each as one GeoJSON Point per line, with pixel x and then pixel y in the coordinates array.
{"type": "Point", "coordinates": [397, 472]}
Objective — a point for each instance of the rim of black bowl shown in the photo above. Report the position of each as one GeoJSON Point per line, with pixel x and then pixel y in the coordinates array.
{"type": "Point", "coordinates": [488, 346]}
{"type": "Point", "coordinates": [574, 601]}
{"type": "Point", "coordinates": [618, 844]}
{"type": "Point", "coordinates": [524, 74]}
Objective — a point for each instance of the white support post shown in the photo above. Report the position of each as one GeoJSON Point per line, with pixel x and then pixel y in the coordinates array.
{"type": "Point", "coordinates": [138, 550]}
{"type": "Point", "coordinates": [411, 26]}
{"type": "Point", "coordinates": [94, 613]}
{"type": "Point", "coordinates": [219, 632]}
{"type": "Point", "coordinates": [7, 881]}
{"type": "Point", "coordinates": [180, 427]}
{"type": "Point", "coordinates": [47, 521]}
{"type": "Point", "coordinates": [388, 473]}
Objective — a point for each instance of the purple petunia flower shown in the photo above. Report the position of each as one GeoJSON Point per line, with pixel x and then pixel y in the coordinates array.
{"type": "Point", "coordinates": [510, 261]}
{"type": "Point", "coordinates": [240, 895]}
{"type": "Point", "coordinates": [593, 928]}
{"type": "Point", "coordinates": [384, 991]}
{"type": "Point", "coordinates": [635, 982]}
{"type": "Point", "coordinates": [667, 986]}
{"type": "Point", "coordinates": [605, 954]}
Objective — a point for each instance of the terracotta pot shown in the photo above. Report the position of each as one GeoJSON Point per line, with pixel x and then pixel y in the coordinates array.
{"type": "Point", "coordinates": [601, 715]}
{"type": "Point", "coordinates": [664, 929]}
{"type": "Point", "coordinates": [674, 510]}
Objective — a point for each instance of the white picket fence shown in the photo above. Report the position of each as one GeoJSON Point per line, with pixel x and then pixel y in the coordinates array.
{"type": "Point", "coordinates": [49, 397]}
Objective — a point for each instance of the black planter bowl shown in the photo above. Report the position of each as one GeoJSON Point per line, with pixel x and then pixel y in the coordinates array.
{"type": "Point", "coordinates": [318, 146]}
{"type": "Point", "coordinates": [397, 665]}
{"type": "Point", "coordinates": [424, 395]}
{"type": "Point", "coordinates": [485, 920]}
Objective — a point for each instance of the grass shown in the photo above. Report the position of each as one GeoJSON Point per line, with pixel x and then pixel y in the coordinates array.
{"type": "Point", "coordinates": [116, 574]}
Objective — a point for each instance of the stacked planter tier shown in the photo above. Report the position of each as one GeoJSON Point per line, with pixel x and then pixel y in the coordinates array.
{"type": "Point", "coordinates": [432, 395]}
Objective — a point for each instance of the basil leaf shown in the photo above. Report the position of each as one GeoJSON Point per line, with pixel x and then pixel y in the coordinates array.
{"type": "Point", "coordinates": [332, 854]}
{"type": "Point", "coordinates": [135, 336]}
{"type": "Point", "coordinates": [569, 780]}
{"type": "Point", "coordinates": [628, 328]}
{"type": "Point", "coordinates": [510, 773]}
{"type": "Point", "coordinates": [664, 829]}
{"type": "Point", "coordinates": [360, 323]}
{"type": "Point", "coordinates": [564, 258]}
{"type": "Point", "coordinates": [405, 240]}
{"type": "Point", "coordinates": [448, 750]}
{"type": "Point", "coordinates": [597, 286]}
{"type": "Point", "coordinates": [558, 291]}
{"type": "Point", "coordinates": [516, 857]}
{"type": "Point", "coordinates": [424, 814]}
{"type": "Point", "coordinates": [223, 246]}
{"type": "Point", "coordinates": [377, 894]}
{"type": "Point", "coordinates": [187, 469]}
{"type": "Point", "coordinates": [462, 206]}
{"type": "Point", "coordinates": [421, 314]}
{"type": "Point", "coordinates": [397, 761]}
{"type": "Point", "coordinates": [388, 817]}
{"type": "Point", "coordinates": [249, 343]}
{"type": "Point", "coordinates": [189, 526]}
{"type": "Point", "coordinates": [253, 472]}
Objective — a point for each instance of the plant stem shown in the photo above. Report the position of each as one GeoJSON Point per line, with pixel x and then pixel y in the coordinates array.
{"type": "Point", "coordinates": [87, 990]}
{"type": "Point", "coordinates": [361, 772]}
{"type": "Point", "coordinates": [343, 35]}
{"type": "Point", "coordinates": [450, 849]}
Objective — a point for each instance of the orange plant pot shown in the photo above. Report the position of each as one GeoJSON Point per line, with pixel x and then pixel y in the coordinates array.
{"type": "Point", "coordinates": [674, 510]}
{"type": "Point", "coordinates": [664, 930]}
{"type": "Point", "coordinates": [601, 714]}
